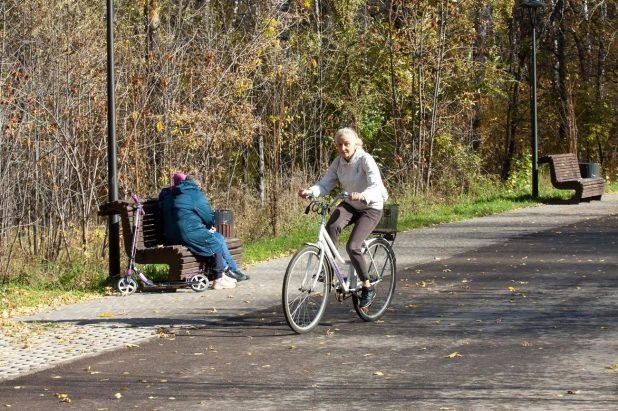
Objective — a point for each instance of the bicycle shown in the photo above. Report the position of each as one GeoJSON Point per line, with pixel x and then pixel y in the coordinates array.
{"type": "Point", "coordinates": [313, 271]}
{"type": "Point", "coordinates": [197, 280]}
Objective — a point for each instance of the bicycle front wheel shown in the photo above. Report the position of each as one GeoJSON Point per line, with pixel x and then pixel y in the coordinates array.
{"type": "Point", "coordinates": [380, 261]}
{"type": "Point", "coordinates": [304, 298]}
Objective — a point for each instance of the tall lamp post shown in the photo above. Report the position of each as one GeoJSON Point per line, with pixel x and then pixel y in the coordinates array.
{"type": "Point", "coordinates": [532, 7]}
{"type": "Point", "coordinates": [112, 177]}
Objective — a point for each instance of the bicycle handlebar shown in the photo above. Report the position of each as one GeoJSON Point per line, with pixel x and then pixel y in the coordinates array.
{"type": "Point", "coordinates": [320, 207]}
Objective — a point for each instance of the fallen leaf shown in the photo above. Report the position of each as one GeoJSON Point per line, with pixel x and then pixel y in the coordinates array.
{"type": "Point", "coordinates": [412, 306]}
{"type": "Point", "coordinates": [453, 355]}
{"type": "Point", "coordinates": [118, 395]}
{"type": "Point", "coordinates": [106, 315]}
{"type": "Point", "coordinates": [612, 368]}
{"type": "Point", "coordinates": [378, 373]}
{"type": "Point", "coordinates": [131, 345]}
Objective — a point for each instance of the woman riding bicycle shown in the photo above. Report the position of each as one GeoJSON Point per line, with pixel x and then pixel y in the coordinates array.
{"type": "Point", "coordinates": [359, 175]}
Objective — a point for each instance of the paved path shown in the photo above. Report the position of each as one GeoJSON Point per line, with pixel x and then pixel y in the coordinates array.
{"type": "Point", "coordinates": [467, 262]}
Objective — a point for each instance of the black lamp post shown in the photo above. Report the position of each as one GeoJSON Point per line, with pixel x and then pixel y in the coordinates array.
{"type": "Point", "coordinates": [112, 177]}
{"type": "Point", "coordinates": [532, 7]}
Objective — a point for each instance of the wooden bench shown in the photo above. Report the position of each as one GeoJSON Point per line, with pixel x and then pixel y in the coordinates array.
{"type": "Point", "coordinates": [150, 248]}
{"type": "Point", "coordinates": [566, 175]}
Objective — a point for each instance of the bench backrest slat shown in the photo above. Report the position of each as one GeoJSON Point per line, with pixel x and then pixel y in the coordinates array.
{"type": "Point", "coordinates": [566, 167]}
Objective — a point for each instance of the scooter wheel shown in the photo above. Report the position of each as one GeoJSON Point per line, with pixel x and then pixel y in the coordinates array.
{"type": "Point", "coordinates": [126, 285]}
{"type": "Point", "coordinates": [199, 282]}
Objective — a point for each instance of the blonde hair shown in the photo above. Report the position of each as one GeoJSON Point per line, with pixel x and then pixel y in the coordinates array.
{"type": "Point", "coordinates": [349, 132]}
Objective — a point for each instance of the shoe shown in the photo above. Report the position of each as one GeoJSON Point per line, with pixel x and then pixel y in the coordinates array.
{"type": "Point", "coordinates": [237, 275]}
{"type": "Point", "coordinates": [367, 296]}
{"type": "Point", "coordinates": [222, 285]}
{"type": "Point", "coordinates": [228, 278]}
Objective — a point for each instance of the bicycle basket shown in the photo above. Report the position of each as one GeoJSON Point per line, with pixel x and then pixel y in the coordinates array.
{"type": "Point", "coordinates": [389, 217]}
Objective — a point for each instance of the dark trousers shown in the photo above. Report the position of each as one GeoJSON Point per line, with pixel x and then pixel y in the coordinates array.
{"type": "Point", "coordinates": [217, 265]}
{"type": "Point", "coordinates": [364, 223]}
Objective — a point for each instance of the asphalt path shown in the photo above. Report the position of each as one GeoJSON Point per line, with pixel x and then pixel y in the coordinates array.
{"type": "Point", "coordinates": [511, 319]}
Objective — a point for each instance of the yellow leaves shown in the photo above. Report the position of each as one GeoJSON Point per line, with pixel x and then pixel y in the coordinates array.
{"type": "Point", "coordinates": [106, 315]}
{"type": "Point", "coordinates": [270, 28]}
{"type": "Point", "coordinates": [412, 306]}
{"type": "Point", "coordinates": [159, 126]}
{"type": "Point", "coordinates": [378, 373]}
{"type": "Point", "coordinates": [453, 355]}
{"type": "Point", "coordinates": [307, 4]}
{"type": "Point", "coordinates": [131, 345]}
{"type": "Point", "coordinates": [525, 344]}
{"type": "Point", "coordinates": [117, 395]}
{"type": "Point", "coordinates": [243, 86]}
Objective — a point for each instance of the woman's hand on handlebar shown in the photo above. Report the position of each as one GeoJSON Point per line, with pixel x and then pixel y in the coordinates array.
{"type": "Point", "coordinates": [305, 193]}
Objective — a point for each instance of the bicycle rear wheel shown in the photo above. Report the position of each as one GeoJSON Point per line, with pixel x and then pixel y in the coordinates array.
{"type": "Point", "coordinates": [380, 261]}
{"type": "Point", "coordinates": [304, 304]}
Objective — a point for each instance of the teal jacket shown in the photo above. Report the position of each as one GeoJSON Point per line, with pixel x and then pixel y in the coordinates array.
{"type": "Point", "coordinates": [187, 219]}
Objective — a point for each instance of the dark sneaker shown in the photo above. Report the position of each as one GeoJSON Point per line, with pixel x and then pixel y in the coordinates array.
{"type": "Point", "coordinates": [367, 296]}
{"type": "Point", "coordinates": [237, 275]}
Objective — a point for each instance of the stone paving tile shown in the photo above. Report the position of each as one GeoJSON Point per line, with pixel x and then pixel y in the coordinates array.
{"type": "Point", "coordinates": [21, 354]}
{"type": "Point", "coordinates": [112, 322]}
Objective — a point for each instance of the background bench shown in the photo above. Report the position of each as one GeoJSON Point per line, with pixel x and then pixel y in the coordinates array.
{"type": "Point", "coordinates": [566, 175]}
{"type": "Point", "coordinates": [150, 248]}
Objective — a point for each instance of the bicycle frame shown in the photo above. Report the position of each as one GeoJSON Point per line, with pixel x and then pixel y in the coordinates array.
{"type": "Point", "coordinates": [328, 250]}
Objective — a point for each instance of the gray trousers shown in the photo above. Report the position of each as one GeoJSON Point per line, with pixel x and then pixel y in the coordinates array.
{"type": "Point", "coordinates": [364, 223]}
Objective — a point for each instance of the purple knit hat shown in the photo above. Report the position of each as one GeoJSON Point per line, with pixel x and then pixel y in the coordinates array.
{"type": "Point", "coordinates": [178, 177]}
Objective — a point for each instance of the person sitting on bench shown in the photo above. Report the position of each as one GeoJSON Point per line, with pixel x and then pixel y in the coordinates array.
{"type": "Point", "coordinates": [231, 269]}
{"type": "Point", "coordinates": [187, 219]}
